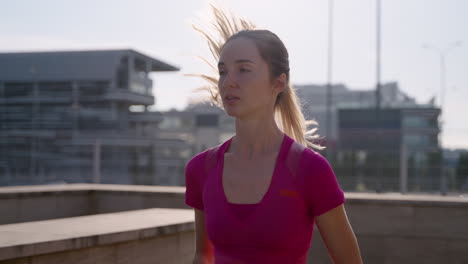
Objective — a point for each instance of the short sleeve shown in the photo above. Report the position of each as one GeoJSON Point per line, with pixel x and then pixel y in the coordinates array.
{"type": "Point", "coordinates": [194, 172]}
{"type": "Point", "coordinates": [321, 188]}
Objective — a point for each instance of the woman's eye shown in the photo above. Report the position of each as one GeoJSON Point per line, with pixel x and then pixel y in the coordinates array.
{"type": "Point", "coordinates": [243, 70]}
{"type": "Point", "coordinates": [221, 72]}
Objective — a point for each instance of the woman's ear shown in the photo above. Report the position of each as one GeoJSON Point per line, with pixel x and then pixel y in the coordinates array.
{"type": "Point", "coordinates": [280, 83]}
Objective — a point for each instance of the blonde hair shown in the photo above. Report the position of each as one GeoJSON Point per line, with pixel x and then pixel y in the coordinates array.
{"type": "Point", "coordinates": [288, 114]}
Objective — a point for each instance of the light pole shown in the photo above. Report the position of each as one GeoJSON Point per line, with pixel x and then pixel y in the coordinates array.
{"type": "Point", "coordinates": [378, 63]}
{"type": "Point", "coordinates": [329, 79]}
{"type": "Point", "coordinates": [442, 55]}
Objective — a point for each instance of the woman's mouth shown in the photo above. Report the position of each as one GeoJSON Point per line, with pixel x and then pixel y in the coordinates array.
{"type": "Point", "coordinates": [231, 99]}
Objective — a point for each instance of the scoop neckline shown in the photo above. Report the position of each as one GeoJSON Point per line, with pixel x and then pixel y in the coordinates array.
{"type": "Point", "coordinates": [279, 157]}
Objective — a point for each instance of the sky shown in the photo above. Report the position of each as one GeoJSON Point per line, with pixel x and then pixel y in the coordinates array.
{"type": "Point", "coordinates": [162, 29]}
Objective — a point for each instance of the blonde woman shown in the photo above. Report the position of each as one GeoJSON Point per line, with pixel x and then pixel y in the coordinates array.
{"type": "Point", "coordinates": [257, 195]}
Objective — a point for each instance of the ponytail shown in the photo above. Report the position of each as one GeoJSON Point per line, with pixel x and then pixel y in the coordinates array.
{"type": "Point", "coordinates": [288, 115]}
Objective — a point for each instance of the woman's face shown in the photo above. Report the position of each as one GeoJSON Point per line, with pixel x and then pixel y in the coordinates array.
{"type": "Point", "coordinates": [245, 85]}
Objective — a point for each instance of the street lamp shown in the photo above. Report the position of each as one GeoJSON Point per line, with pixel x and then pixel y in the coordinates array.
{"type": "Point", "coordinates": [378, 63]}
{"type": "Point", "coordinates": [442, 54]}
{"type": "Point", "coordinates": [329, 80]}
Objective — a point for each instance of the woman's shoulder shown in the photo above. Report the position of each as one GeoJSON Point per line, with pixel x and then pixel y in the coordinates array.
{"type": "Point", "coordinates": [306, 155]}
{"type": "Point", "coordinates": [312, 160]}
{"type": "Point", "coordinates": [301, 158]}
{"type": "Point", "coordinates": [204, 158]}
{"type": "Point", "coordinates": [314, 155]}
{"type": "Point", "coordinates": [196, 161]}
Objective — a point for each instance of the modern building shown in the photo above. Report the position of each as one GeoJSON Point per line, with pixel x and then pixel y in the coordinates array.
{"type": "Point", "coordinates": [181, 134]}
{"type": "Point", "coordinates": [64, 116]}
{"type": "Point", "coordinates": [314, 100]}
{"type": "Point", "coordinates": [380, 155]}
{"type": "Point", "coordinates": [367, 156]}
{"type": "Point", "coordinates": [201, 125]}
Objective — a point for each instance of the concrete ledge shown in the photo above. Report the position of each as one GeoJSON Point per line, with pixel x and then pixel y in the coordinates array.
{"type": "Point", "coordinates": [390, 227]}
{"type": "Point", "coordinates": [407, 199]}
{"type": "Point", "coordinates": [50, 236]}
{"type": "Point", "coordinates": [14, 191]}
{"type": "Point", "coordinates": [36, 203]}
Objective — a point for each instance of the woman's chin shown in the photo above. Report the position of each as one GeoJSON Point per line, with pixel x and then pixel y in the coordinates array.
{"type": "Point", "coordinates": [231, 112]}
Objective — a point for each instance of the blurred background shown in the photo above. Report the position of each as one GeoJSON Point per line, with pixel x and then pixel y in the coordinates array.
{"type": "Point", "coordinates": [95, 91]}
{"type": "Point", "coordinates": [98, 120]}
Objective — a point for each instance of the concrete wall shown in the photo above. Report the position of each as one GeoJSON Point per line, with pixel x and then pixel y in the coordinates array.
{"type": "Point", "coordinates": [35, 206]}
{"type": "Point", "coordinates": [34, 203]}
{"type": "Point", "coordinates": [141, 236]}
{"type": "Point", "coordinates": [174, 249]}
{"type": "Point", "coordinates": [406, 229]}
{"type": "Point", "coordinates": [390, 228]}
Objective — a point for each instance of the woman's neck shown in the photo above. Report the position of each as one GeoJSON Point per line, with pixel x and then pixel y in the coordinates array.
{"type": "Point", "coordinates": [256, 137]}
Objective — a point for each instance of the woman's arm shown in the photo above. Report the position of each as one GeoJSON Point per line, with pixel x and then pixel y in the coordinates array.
{"type": "Point", "coordinates": [338, 236]}
{"type": "Point", "coordinates": [203, 247]}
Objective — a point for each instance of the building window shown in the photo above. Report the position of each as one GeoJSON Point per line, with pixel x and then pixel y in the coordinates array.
{"type": "Point", "coordinates": [416, 140]}
{"type": "Point", "coordinates": [206, 120]}
{"type": "Point", "coordinates": [415, 121]}
{"type": "Point", "coordinates": [170, 122]}
{"type": "Point", "coordinates": [18, 89]}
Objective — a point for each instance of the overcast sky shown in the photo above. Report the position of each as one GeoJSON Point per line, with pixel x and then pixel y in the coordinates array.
{"type": "Point", "coordinates": [162, 29]}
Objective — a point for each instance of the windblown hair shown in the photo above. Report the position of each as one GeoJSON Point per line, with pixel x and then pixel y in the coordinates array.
{"type": "Point", "coordinates": [288, 114]}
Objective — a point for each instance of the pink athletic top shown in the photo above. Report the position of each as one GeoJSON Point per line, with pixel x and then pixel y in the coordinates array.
{"type": "Point", "coordinates": [279, 228]}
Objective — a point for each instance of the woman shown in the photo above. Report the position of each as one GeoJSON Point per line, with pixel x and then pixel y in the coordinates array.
{"type": "Point", "coordinates": [257, 196]}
